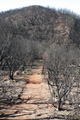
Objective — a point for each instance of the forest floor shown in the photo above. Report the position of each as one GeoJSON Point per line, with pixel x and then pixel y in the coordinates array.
{"type": "Point", "coordinates": [34, 101]}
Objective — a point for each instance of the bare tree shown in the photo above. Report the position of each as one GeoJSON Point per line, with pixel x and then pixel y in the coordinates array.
{"type": "Point", "coordinates": [59, 61]}
{"type": "Point", "coordinates": [20, 52]}
{"type": "Point", "coordinates": [14, 55]}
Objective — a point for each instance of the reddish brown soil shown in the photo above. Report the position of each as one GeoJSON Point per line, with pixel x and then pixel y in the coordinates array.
{"type": "Point", "coordinates": [35, 101]}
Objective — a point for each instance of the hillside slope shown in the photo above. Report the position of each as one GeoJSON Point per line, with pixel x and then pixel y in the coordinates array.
{"type": "Point", "coordinates": [39, 24]}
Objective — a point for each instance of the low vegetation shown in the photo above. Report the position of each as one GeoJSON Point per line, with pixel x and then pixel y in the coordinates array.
{"type": "Point", "coordinates": [62, 64]}
{"type": "Point", "coordinates": [38, 33]}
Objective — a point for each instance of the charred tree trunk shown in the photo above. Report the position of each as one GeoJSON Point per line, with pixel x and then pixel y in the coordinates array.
{"type": "Point", "coordinates": [11, 75]}
{"type": "Point", "coordinates": [59, 98]}
{"type": "Point", "coordinates": [59, 104]}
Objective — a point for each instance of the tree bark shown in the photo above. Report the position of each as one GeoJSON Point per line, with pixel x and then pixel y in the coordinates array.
{"type": "Point", "coordinates": [59, 104]}
{"type": "Point", "coordinates": [11, 75]}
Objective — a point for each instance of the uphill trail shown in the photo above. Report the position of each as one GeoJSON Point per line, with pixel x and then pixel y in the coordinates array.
{"type": "Point", "coordinates": [35, 99]}
{"type": "Point", "coordinates": [62, 28]}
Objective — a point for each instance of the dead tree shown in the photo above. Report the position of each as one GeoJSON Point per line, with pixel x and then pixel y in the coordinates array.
{"type": "Point", "coordinates": [60, 73]}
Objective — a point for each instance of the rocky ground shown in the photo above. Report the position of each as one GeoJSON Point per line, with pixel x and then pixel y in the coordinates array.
{"type": "Point", "coordinates": [33, 99]}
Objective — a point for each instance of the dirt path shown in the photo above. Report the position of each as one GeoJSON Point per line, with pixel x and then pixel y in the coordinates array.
{"type": "Point", "coordinates": [34, 101]}
{"type": "Point", "coordinates": [38, 94]}
{"type": "Point", "coordinates": [62, 28]}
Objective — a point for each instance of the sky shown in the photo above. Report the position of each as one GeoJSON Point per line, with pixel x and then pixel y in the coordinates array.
{"type": "Point", "coordinates": [72, 5]}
